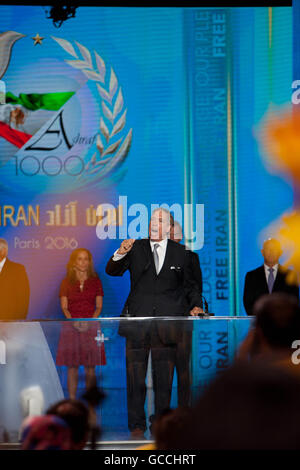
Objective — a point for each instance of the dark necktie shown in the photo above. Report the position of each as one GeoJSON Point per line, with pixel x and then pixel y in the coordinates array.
{"type": "Point", "coordinates": [271, 280]}
{"type": "Point", "coordinates": [155, 256]}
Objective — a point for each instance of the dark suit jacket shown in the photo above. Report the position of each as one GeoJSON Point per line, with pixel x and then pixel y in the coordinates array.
{"type": "Point", "coordinates": [197, 273]}
{"type": "Point", "coordinates": [14, 291]}
{"type": "Point", "coordinates": [256, 286]}
{"type": "Point", "coordinates": [173, 292]}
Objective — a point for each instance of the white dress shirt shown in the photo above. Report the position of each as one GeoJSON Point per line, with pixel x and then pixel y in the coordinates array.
{"type": "Point", "coordinates": [117, 256]}
{"type": "Point", "coordinates": [267, 272]}
{"type": "Point", "coordinates": [2, 264]}
{"type": "Point", "coordinates": [161, 251]}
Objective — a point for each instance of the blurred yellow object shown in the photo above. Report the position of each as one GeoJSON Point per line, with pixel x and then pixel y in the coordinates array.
{"type": "Point", "coordinates": [147, 447]}
{"type": "Point", "coordinates": [289, 237]}
{"type": "Point", "coordinates": [280, 137]}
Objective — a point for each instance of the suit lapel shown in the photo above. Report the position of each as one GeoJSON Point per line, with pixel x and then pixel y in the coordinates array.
{"type": "Point", "coordinates": [5, 268]}
{"type": "Point", "coordinates": [148, 253]}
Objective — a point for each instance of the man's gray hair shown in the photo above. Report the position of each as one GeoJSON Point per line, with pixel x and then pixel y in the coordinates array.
{"type": "Point", "coordinates": [3, 244]}
{"type": "Point", "coordinates": [163, 209]}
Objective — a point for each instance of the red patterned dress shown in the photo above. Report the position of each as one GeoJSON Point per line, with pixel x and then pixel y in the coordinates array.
{"type": "Point", "coordinates": [75, 347]}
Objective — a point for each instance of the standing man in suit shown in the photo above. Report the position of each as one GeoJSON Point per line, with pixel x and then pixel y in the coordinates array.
{"type": "Point", "coordinates": [184, 347]}
{"type": "Point", "coordinates": [14, 287]}
{"type": "Point", "coordinates": [162, 285]}
{"type": "Point", "coordinates": [268, 278]}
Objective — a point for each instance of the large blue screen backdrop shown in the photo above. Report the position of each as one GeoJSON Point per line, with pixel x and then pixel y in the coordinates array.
{"type": "Point", "coordinates": [132, 107]}
{"type": "Point", "coordinates": [162, 108]}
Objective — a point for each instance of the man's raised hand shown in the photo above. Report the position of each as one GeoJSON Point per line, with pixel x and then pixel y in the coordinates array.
{"type": "Point", "coordinates": [126, 246]}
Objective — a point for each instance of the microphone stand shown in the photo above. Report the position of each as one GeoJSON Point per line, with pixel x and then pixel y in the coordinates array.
{"type": "Point", "coordinates": [205, 313]}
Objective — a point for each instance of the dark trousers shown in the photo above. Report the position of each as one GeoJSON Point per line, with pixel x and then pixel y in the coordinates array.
{"type": "Point", "coordinates": [164, 359]}
{"type": "Point", "coordinates": [182, 364]}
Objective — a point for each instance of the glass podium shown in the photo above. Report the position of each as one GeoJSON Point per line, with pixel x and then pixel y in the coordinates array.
{"type": "Point", "coordinates": [35, 358]}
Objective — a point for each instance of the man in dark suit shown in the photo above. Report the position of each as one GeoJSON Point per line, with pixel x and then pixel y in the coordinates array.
{"type": "Point", "coordinates": [268, 278]}
{"type": "Point", "coordinates": [14, 287]}
{"type": "Point", "coordinates": [162, 285]}
{"type": "Point", "coordinates": [184, 347]}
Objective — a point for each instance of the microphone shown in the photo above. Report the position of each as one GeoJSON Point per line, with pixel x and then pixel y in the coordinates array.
{"type": "Point", "coordinates": [205, 304]}
{"type": "Point", "coordinates": [205, 313]}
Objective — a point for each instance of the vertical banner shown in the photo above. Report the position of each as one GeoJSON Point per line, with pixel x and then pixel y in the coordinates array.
{"type": "Point", "coordinates": [210, 353]}
{"type": "Point", "coordinates": [296, 50]}
{"type": "Point", "coordinates": [216, 342]}
{"type": "Point", "coordinates": [206, 41]}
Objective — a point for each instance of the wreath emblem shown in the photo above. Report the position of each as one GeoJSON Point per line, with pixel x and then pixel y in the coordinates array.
{"type": "Point", "coordinates": [109, 153]}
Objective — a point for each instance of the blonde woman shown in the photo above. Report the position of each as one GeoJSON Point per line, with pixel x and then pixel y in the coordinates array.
{"type": "Point", "coordinates": [81, 296]}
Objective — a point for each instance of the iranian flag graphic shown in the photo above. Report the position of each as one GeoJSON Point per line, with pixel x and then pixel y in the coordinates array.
{"type": "Point", "coordinates": [22, 116]}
